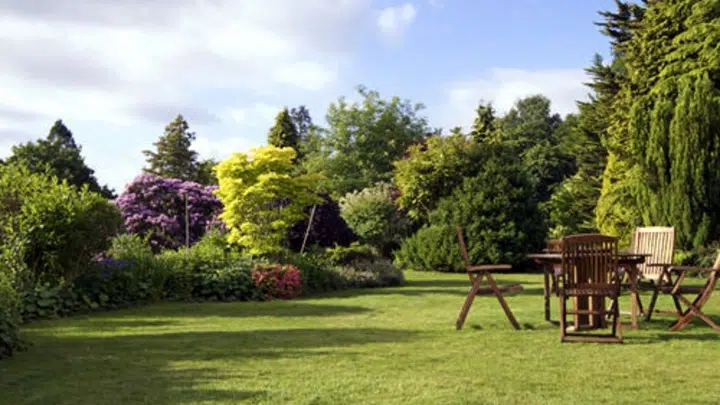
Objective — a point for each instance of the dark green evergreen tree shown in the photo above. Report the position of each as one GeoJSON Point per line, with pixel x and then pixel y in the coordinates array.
{"type": "Point", "coordinates": [672, 103]}
{"type": "Point", "coordinates": [483, 128]}
{"type": "Point", "coordinates": [58, 155]}
{"type": "Point", "coordinates": [284, 133]}
{"type": "Point", "coordinates": [173, 157]}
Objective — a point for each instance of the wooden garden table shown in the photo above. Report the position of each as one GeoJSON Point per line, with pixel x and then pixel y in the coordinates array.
{"type": "Point", "coordinates": [627, 261]}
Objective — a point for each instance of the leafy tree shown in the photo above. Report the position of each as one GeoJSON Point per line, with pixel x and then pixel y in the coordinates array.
{"type": "Point", "coordinates": [432, 170]}
{"type": "Point", "coordinates": [206, 174]}
{"type": "Point", "coordinates": [363, 140]}
{"type": "Point", "coordinates": [372, 215]}
{"type": "Point", "coordinates": [263, 198]}
{"type": "Point", "coordinates": [497, 209]}
{"type": "Point", "coordinates": [617, 212]}
{"type": "Point", "coordinates": [671, 101]}
{"type": "Point", "coordinates": [483, 128]}
{"type": "Point", "coordinates": [173, 157]}
{"type": "Point", "coordinates": [284, 133]}
{"type": "Point", "coordinates": [58, 155]}
{"type": "Point", "coordinates": [57, 228]}
{"type": "Point", "coordinates": [534, 134]}
{"type": "Point", "coordinates": [303, 121]}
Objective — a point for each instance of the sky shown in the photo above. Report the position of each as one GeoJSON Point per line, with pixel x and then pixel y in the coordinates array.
{"type": "Point", "coordinates": [116, 72]}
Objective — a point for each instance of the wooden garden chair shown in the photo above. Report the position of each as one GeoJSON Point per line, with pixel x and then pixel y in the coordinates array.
{"type": "Point", "coordinates": [674, 276]}
{"type": "Point", "coordinates": [589, 272]}
{"type": "Point", "coordinates": [551, 276]}
{"type": "Point", "coordinates": [659, 243]}
{"type": "Point", "coordinates": [476, 275]}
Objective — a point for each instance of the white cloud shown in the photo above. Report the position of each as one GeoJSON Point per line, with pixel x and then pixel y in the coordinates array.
{"type": "Point", "coordinates": [117, 72]}
{"type": "Point", "coordinates": [435, 3]}
{"type": "Point", "coordinates": [393, 22]}
{"type": "Point", "coordinates": [503, 87]}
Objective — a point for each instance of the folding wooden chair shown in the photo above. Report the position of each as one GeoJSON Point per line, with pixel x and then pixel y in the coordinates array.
{"type": "Point", "coordinates": [677, 290]}
{"type": "Point", "coordinates": [476, 275]}
{"type": "Point", "coordinates": [589, 272]}
{"type": "Point", "coordinates": [659, 242]}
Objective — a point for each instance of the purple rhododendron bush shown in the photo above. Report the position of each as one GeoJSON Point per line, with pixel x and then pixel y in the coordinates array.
{"type": "Point", "coordinates": [154, 207]}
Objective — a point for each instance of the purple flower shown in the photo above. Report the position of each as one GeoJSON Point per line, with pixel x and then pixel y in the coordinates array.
{"type": "Point", "coordinates": [156, 206]}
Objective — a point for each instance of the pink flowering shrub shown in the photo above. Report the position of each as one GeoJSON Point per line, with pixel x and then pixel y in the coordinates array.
{"type": "Point", "coordinates": [276, 281]}
{"type": "Point", "coordinates": [155, 206]}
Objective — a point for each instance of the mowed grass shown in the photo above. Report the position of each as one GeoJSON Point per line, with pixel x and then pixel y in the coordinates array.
{"type": "Point", "coordinates": [380, 346]}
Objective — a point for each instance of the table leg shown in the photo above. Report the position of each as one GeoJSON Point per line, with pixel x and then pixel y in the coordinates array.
{"type": "Point", "coordinates": [632, 275]}
{"type": "Point", "coordinates": [546, 291]}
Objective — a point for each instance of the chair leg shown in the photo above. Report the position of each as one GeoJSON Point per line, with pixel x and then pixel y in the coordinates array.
{"type": "Point", "coordinates": [653, 301]}
{"type": "Point", "coordinates": [563, 313]}
{"type": "Point", "coordinates": [617, 324]}
{"type": "Point", "coordinates": [502, 301]}
{"type": "Point", "coordinates": [468, 303]}
{"type": "Point", "coordinates": [546, 293]}
{"type": "Point", "coordinates": [687, 317]}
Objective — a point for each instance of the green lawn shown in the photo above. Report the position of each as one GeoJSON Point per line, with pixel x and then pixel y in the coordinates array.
{"type": "Point", "coordinates": [382, 346]}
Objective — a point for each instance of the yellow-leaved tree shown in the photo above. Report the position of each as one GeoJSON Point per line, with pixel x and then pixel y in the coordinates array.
{"type": "Point", "coordinates": [263, 197]}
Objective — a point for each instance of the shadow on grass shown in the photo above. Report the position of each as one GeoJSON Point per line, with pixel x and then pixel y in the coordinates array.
{"type": "Point", "coordinates": [165, 368]}
{"type": "Point", "coordinates": [282, 309]}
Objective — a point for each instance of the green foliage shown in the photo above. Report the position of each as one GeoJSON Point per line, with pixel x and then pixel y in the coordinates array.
{"type": "Point", "coordinates": [316, 274]}
{"type": "Point", "coordinates": [371, 273]}
{"type": "Point", "coordinates": [373, 216]}
{"type": "Point", "coordinates": [432, 170]}
{"type": "Point", "coordinates": [60, 228]}
{"type": "Point", "coordinates": [344, 255]}
{"type": "Point", "coordinates": [263, 197]}
{"type": "Point", "coordinates": [498, 212]}
{"type": "Point", "coordinates": [537, 136]}
{"type": "Point", "coordinates": [363, 140]}
{"type": "Point", "coordinates": [173, 157]}
{"type": "Point", "coordinates": [206, 173]}
{"type": "Point", "coordinates": [663, 152]}
{"type": "Point", "coordinates": [571, 209]}
{"type": "Point", "coordinates": [432, 248]}
{"type": "Point", "coordinates": [483, 128]}
{"type": "Point", "coordinates": [10, 306]}
{"type": "Point", "coordinates": [58, 155]}
{"type": "Point", "coordinates": [703, 256]}
{"type": "Point", "coordinates": [283, 133]}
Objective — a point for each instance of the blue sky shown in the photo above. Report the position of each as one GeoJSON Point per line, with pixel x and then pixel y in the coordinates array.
{"type": "Point", "coordinates": [120, 72]}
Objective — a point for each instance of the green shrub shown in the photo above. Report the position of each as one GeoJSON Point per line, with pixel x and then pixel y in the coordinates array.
{"type": "Point", "coordinates": [343, 255]}
{"type": "Point", "coordinates": [703, 256]}
{"type": "Point", "coordinates": [316, 273]}
{"type": "Point", "coordinates": [210, 270]}
{"type": "Point", "coordinates": [373, 216]}
{"type": "Point", "coordinates": [61, 229]}
{"type": "Point", "coordinates": [498, 213]}
{"type": "Point", "coordinates": [432, 248]}
{"type": "Point", "coordinates": [371, 273]}
{"type": "Point", "coordinates": [10, 340]}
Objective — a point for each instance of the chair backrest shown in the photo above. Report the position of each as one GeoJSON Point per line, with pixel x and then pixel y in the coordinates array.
{"type": "Point", "coordinates": [553, 246]}
{"type": "Point", "coordinates": [589, 259]}
{"type": "Point", "coordinates": [463, 248]}
{"type": "Point", "coordinates": [658, 241]}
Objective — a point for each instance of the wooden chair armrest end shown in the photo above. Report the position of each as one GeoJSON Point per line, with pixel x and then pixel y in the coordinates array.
{"type": "Point", "coordinates": [489, 267]}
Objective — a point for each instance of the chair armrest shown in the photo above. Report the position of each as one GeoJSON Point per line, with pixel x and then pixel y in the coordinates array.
{"type": "Point", "coordinates": [693, 269]}
{"type": "Point", "coordinates": [489, 267]}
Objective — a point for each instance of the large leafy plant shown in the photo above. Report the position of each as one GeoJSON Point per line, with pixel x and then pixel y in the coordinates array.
{"type": "Point", "coordinates": [155, 207]}
{"type": "Point", "coordinates": [58, 227]}
{"type": "Point", "coordinates": [263, 197]}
